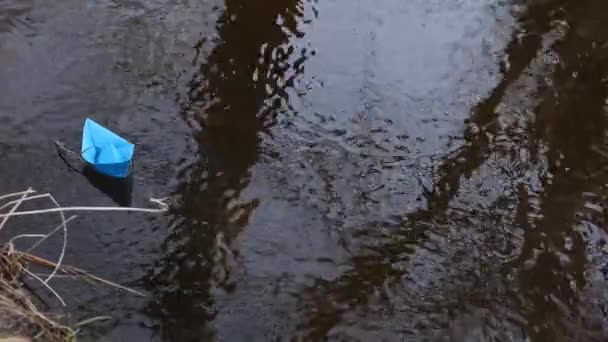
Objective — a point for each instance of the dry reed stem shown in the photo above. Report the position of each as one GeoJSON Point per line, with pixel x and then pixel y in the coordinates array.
{"type": "Point", "coordinates": [23, 199]}
{"type": "Point", "coordinates": [74, 271]}
{"type": "Point", "coordinates": [13, 265]}
{"type": "Point", "coordinates": [44, 237]}
{"type": "Point", "coordinates": [15, 339]}
{"type": "Point", "coordinates": [64, 242]}
{"type": "Point", "coordinates": [15, 194]}
{"type": "Point", "coordinates": [14, 208]}
{"type": "Point", "coordinates": [15, 302]}
{"type": "Point", "coordinates": [64, 209]}
{"type": "Point", "coordinates": [17, 203]}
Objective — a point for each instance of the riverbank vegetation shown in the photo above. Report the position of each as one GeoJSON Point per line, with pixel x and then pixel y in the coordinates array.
{"type": "Point", "coordinates": [24, 273]}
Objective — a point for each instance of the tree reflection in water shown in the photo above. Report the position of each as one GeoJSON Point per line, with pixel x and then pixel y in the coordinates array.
{"type": "Point", "coordinates": [237, 94]}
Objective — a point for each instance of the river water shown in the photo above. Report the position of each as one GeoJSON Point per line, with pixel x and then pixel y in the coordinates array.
{"type": "Point", "coordinates": [338, 170]}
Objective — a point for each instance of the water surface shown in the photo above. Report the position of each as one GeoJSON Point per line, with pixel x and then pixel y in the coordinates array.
{"type": "Point", "coordinates": [338, 170]}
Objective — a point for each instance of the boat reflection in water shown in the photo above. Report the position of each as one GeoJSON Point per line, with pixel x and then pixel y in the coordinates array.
{"type": "Point", "coordinates": [120, 190]}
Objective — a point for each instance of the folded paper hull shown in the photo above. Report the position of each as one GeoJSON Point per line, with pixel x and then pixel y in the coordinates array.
{"type": "Point", "coordinates": [107, 152]}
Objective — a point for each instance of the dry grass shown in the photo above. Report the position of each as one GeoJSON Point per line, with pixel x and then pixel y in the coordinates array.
{"type": "Point", "coordinates": [18, 313]}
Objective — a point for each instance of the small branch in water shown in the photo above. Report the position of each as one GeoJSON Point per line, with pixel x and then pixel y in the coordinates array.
{"type": "Point", "coordinates": [92, 319]}
{"type": "Point", "coordinates": [15, 194]}
{"type": "Point", "coordinates": [44, 283]}
{"type": "Point", "coordinates": [14, 208]}
{"type": "Point", "coordinates": [164, 207]}
{"type": "Point", "coordinates": [14, 300]}
{"type": "Point", "coordinates": [71, 270]}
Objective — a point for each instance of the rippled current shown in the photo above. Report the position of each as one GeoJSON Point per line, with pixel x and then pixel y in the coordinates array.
{"type": "Point", "coordinates": [338, 170]}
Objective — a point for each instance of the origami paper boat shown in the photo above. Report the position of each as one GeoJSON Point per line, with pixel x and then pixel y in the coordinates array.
{"type": "Point", "coordinates": [107, 152]}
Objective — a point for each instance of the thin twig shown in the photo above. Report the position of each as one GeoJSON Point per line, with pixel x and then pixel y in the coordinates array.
{"type": "Point", "coordinates": [17, 261]}
{"type": "Point", "coordinates": [45, 285]}
{"type": "Point", "coordinates": [14, 208]}
{"type": "Point", "coordinates": [72, 276]}
{"type": "Point", "coordinates": [61, 148]}
{"type": "Point", "coordinates": [91, 320]}
{"type": "Point", "coordinates": [65, 240]}
{"type": "Point", "coordinates": [16, 301]}
{"type": "Point", "coordinates": [107, 282]}
{"type": "Point", "coordinates": [64, 209]}
{"type": "Point", "coordinates": [50, 234]}
{"type": "Point", "coordinates": [74, 270]}
{"type": "Point", "coordinates": [65, 149]}
{"type": "Point", "coordinates": [14, 194]}
{"type": "Point", "coordinates": [30, 198]}
{"type": "Point", "coordinates": [21, 236]}
{"type": "Point", "coordinates": [63, 225]}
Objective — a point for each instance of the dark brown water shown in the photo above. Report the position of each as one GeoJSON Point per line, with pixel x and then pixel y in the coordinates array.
{"type": "Point", "coordinates": [340, 170]}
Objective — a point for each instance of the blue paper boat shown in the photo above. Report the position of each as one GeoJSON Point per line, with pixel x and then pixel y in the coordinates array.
{"type": "Point", "coordinates": [105, 151]}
